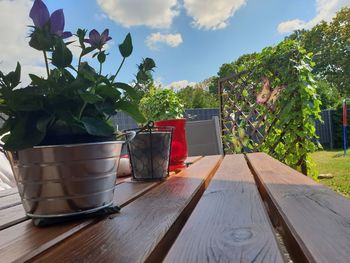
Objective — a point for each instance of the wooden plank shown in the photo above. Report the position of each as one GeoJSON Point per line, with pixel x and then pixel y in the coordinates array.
{"type": "Point", "coordinates": [11, 216]}
{"type": "Point", "coordinates": [314, 220]}
{"type": "Point", "coordinates": [229, 224]}
{"type": "Point", "coordinates": [192, 159]}
{"type": "Point", "coordinates": [146, 228]}
{"type": "Point", "coordinates": [9, 200]}
{"type": "Point", "coordinates": [23, 241]}
{"type": "Point", "coordinates": [8, 192]}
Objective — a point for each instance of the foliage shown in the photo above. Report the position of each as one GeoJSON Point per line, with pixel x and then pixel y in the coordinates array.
{"type": "Point", "coordinates": [228, 69]}
{"type": "Point", "coordinates": [330, 43]}
{"type": "Point", "coordinates": [329, 94]}
{"type": "Point", "coordinates": [193, 97]}
{"type": "Point", "coordinates": [291, 138]}
{"type": "Point", "coordinates": [161, 104]}
{"type": "Point", "coordinates": [70, 103]}
{"type": "Point", "coordinates": [144, 79]}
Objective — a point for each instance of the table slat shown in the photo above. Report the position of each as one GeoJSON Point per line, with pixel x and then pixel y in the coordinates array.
{"type": "Point", "coordinates": [23, 241]}
{"type": "Point", "coordinates": [11, 216]}
{"type": "Point", "coordinates": [229, 223]}
{"type": "Point", "coordinates": [314, 220]}
{"type": "Point", "coordinates": [144, 229]}
{"type": "Point", "coordinates": [8, 192]}
{"type": "Point", "coordinates": [9, 200]}
{"type": "Point", "coordinates": [192, 159]}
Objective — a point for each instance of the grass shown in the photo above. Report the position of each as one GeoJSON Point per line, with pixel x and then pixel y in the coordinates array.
{"type": "Point", "coordinates": [335, 163]}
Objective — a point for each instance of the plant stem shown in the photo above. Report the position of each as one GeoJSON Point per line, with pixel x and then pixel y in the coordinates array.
{"type": "Point", "coordinates": [82, 110]}
{"type": "Point", "coordinates": [79, 61]}
{"type": "Point", "coordinates": [46, 64]}
{"type": "Point", "coordinates": [120, 66]}
{"type": "Point", "coordinates": [100, 69]}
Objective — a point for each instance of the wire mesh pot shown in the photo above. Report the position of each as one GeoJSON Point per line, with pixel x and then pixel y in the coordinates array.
{"type": "Point", "coordinates": [149, 152]}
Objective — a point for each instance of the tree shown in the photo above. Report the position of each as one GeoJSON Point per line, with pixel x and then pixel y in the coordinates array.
{"type": "Point", "coordinates": [197, 98]}
{"type": "Point", "coordinates": [330, 44]}
{"type": "Point", "coordinates": [329, 95]}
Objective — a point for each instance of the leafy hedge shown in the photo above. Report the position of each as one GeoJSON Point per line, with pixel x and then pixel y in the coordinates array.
{"type": "Point", "coordinates": [292, 137]}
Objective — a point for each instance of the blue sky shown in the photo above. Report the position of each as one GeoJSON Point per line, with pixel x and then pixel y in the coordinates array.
{"type": "Point", "coordinates": [188, 39]}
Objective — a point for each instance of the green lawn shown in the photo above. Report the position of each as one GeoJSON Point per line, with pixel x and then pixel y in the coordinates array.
{"type": "Point", "coordinates": [335, 163]}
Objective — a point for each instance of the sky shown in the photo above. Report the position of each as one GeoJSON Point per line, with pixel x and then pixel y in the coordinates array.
{"type": "Point", "coordinates": [188, 39]}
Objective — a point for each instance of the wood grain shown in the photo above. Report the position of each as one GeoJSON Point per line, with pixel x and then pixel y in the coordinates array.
{"type": "Point", "coordinates": [11, 216]}
{"type": "Point", "coordinates": [144, 228]}
{"type": "Point", "coordinates": [10, 200]}
{"type": "Point", "coordinates": [229, 223]}
{"type": "Point", "coordinates": [314, 220]}
{"type": "Point", "coordinates": [192, 159]}
{"type": "Point", "coordinates": [23, 241]}
{"type": "Point", "coordinates": [8, 192]}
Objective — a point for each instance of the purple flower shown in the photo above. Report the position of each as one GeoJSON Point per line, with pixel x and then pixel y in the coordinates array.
{"type": "Point", "coordinates": [40, 16]}
{"type": "Point", "coordinates": [96, 40]}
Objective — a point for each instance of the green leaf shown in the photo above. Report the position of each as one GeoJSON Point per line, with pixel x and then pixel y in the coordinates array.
{"type": "Point", "coordinates": [129, 90]}
{"type": "Point", "coordinates": [27, 99]}
{"type": "Point", "coordinates": [87, 51]}
{"type": "Point", "coordinates": [132, 110]}
{"type": "Point", "coordinates": [97, 127]}
{"type": "Point", "coordinates": [14, 77]}
{"type": "Point", "coordinates": [107, 108]}
{"type": "Point", "coordinates": [126, 47]}
{"type": "Point", "coordinates": [108, 92]}
{"type": "Point", "coordinates": [101, 57]}
{"type": "Point", "coordinates": [81, 36]}
{"type": "Point", "coordinates": [61, 56]}
{"type": "Point", "coordinates": [41, 40]}
{"type": "Point", "coordinates": [23, 134]}
{"type": "Point", "coordinates": [87, 72]}
{"type": "Point", "coordinates": [90, 98]}
{"type": "Point", "coordinates": [43, 122]}
{"type": "Point", "coordinates": [37, 81]}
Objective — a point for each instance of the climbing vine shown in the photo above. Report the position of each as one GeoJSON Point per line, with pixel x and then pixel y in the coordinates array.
{"type": "Point", "coordinates": [289, 122]}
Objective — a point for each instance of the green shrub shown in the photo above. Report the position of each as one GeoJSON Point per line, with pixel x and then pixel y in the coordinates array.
{"type": "Point", "coordinates": [161, 104]}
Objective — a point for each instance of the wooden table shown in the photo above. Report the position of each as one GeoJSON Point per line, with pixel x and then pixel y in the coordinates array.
{"type": "Point", "coordinates": [234, 209]}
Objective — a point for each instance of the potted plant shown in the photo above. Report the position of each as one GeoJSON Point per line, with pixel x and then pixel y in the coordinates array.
{"type": "Point", "coordinates": [60, 141]}
{"type": "Point", "coordinates": [163, 106]}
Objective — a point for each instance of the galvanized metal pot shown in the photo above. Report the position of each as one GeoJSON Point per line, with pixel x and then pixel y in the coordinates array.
{"type": "Point", "coordinates": [64, 180]}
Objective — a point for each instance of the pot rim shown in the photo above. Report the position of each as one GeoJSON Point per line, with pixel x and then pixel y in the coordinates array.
{"type": "Point", "coordinates": [71, 145]}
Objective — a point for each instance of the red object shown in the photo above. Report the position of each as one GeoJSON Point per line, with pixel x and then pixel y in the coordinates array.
{"type": "Point", "coordinates": [345, 115]}
{"type": "Point", "coordinates": [178, 153]}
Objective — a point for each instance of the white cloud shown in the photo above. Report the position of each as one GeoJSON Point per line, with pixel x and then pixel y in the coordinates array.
{"type": "Point", "coordinates": [152, 13]}
{"type": "Point", "coordinates": [325, 11]}
{"type": "Point", "coordinates": [177, 85]}
{"type": "Point", "coordinates": [172, 40]}
{"type": "Point", "coordinates": [14, 41]}
{"type": "Point", "coordinates": [209, 14]}
{"type": "Point", "coordinates": [291, 25]}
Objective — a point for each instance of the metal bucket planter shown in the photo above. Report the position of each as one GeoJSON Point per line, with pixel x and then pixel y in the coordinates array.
{"type": "Point", "coordinates": [149, 153]}
{"type": "Point", "coordinates": [65, 180]}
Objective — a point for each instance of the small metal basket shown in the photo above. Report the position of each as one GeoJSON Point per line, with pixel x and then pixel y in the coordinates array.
{"type": "Point", "coordinates": [150, 151]}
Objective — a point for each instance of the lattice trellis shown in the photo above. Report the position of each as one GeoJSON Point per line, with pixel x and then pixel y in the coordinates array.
{"type": "Point", "coordinates": [246, 124]}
